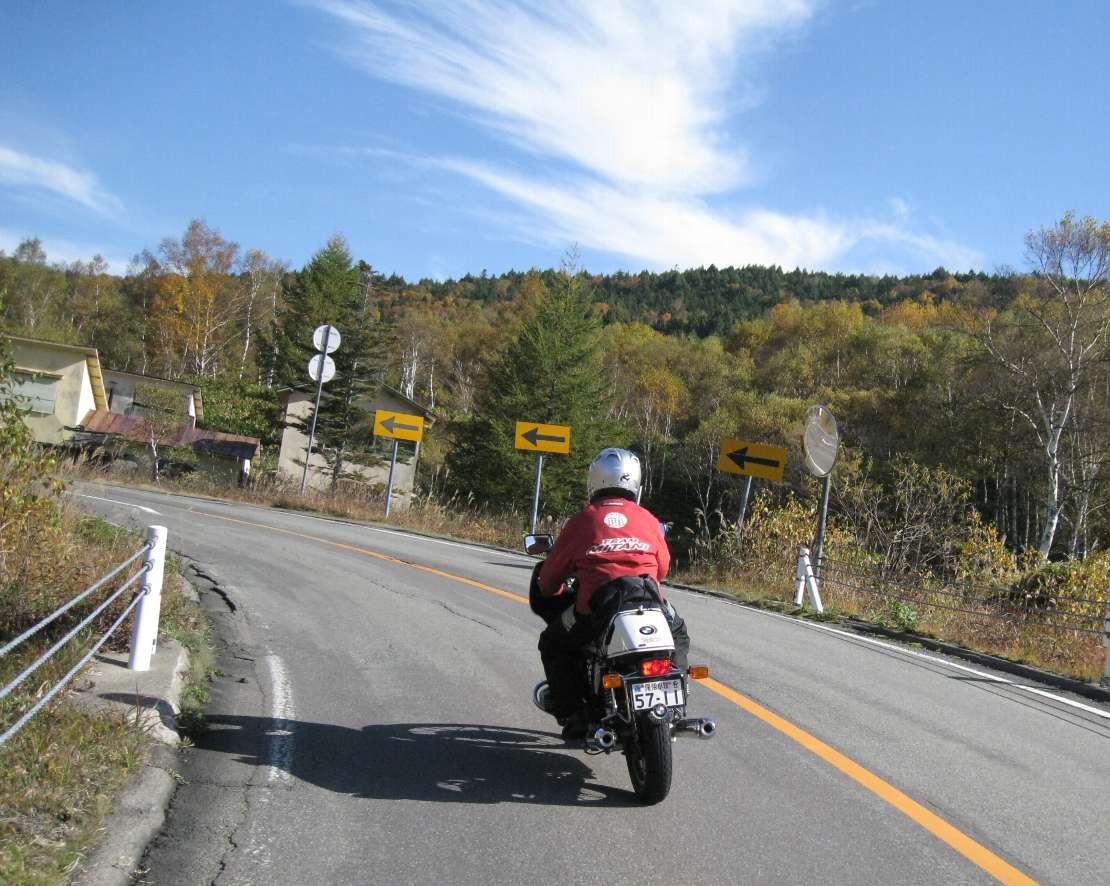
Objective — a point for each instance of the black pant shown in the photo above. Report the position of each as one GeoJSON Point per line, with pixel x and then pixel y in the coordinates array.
{"type": "Point", "coordinates": [562, 640]}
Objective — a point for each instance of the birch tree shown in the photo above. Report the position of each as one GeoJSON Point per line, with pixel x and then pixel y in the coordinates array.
{"type": "Point", "coordinates": [1051, 340]}
{"type": "Point", "coordinates": [261, 282]}
{"type": "Point", "coordinates": [197, 302]}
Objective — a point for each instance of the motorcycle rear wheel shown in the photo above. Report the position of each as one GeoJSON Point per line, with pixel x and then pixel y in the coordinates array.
{"type": "Point", "coordinates": [649, 761]}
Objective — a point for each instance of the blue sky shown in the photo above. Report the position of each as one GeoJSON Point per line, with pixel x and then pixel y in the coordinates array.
{"type": "Point", "coordinates": [445, 138]}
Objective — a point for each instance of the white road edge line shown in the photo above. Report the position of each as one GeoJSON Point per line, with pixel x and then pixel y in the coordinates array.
{"type": "Point", "coordinates": [281, 720]}
{"type": "Point", "coordinates": [1098, 712]}
{"type": "Point", "coordinates": [114, 501]}
{"type": "Point", "coordinates": [441, 541]}
{"type": "Point", "coordinates": [939, 661]}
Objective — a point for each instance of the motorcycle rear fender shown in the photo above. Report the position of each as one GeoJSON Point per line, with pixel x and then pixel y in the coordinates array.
{"type": "Point", "coordinates": [639, 630]}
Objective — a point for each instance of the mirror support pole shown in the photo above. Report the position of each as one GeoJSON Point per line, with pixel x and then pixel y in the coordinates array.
{"type": "Point", "coordinates": [536, 494]}
{"type": "Point", "coordinates": [819, 541]}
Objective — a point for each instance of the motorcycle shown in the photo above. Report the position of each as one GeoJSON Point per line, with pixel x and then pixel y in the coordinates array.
{"type": "Point", "coordinates": [635, 695]}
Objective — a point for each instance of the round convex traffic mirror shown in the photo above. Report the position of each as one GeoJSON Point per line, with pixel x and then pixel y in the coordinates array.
{"type": "Point", "coordinates": [820, 440]}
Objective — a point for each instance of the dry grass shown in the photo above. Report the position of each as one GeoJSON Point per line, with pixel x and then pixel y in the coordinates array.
{"type": "Point", "coordinates": [997, 629]}
{"type": "Point", "coordinates": [58, 781]}
{"type": "Point", "coordinates": [59, 775]}
{"type": "Point", "coordinates": [453, 517]}
{"type": "Point", "coordinates": [761, 570]}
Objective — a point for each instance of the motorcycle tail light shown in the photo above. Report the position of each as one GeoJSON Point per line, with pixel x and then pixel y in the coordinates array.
{"type": "Point", "coordinates": [699, 672]}
{"type": "Point", "coordinates": [611, 681]}
{"type": "Point", "coordinates": [655, 667]}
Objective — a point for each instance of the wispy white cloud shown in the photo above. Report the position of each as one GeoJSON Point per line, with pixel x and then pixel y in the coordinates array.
{"type": "Point", "coordinates": [24, 172]}
{"type": "Point", "coordinates": [631, 106]}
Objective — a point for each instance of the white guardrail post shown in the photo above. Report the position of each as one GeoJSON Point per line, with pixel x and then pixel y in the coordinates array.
{"type": "Point", "coordinates": [800, 579]}
{"type": "Point", "coordinates": [144, 635]}
{"type": "Point", "coordinates": [806, 580]}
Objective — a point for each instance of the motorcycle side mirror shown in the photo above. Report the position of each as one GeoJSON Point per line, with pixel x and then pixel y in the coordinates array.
{"type": "Point", "coordinates": [538, 544]}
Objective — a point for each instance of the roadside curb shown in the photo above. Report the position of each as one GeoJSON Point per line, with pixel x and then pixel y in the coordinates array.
{"type": "Point", "coordinates": [138, 817]}
{"type": "Point", "coordinates": [140, 809]}
{"type": "Point", "coordinates": [1088, 690]}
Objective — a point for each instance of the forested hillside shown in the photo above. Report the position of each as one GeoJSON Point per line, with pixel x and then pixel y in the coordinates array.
{"type": "Point", "coordinates": [988, 392]}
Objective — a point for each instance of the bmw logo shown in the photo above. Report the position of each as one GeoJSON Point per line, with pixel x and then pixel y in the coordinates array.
{"type": "Point", "coordinates": [647, 630]}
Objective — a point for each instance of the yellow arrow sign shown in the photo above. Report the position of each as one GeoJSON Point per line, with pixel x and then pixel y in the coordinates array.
{"type": "Point", "coordinates": [534, 437]}
{"type": "Point", "coordinates": [398, 425]}
{"type": "Point", "coordinates": [753, 459]}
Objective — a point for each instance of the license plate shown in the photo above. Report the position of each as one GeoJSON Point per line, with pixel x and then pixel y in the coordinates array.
{"type": "Point", "coordinates": [665, 692]}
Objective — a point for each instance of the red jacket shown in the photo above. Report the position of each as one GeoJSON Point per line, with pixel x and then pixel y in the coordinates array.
{"type": "Point", "coordinates": [610, 538]}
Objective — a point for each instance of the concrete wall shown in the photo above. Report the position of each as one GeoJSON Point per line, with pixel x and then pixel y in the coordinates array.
{"type": "Point", "coordinates": [294, 441]}
{"type": "Point", "coordinates": [68, 370]}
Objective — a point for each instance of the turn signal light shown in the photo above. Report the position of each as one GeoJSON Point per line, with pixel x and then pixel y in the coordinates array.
{"type": "Point", "coordinates": [655, 667]}
{"type": "Point", "coordinates": [611, 681]}
{"type": "Point", "coordinates": [699, 672]}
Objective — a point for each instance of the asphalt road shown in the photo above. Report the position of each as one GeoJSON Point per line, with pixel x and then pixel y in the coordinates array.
{"type": "Point", "coordinates": [373, 724]}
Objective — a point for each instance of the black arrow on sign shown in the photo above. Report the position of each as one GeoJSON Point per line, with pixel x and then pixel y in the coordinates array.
{"type": "Point", "coordinates": [534, 436]}
{"type": "Point", "coordinates": [740, 458]}
{"type": "Point", "coordinates": [390, 423]}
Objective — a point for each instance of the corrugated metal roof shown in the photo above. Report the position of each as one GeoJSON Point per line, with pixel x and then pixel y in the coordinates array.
{"type": "Point", "coordinates": [136, 428]}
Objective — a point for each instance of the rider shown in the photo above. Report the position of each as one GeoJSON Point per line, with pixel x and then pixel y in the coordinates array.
{"type": "Point", "coordinates": [612, 545]}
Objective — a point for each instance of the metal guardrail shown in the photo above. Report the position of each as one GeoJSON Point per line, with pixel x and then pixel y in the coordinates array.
{"type": "Point", "coordinates": [144, 636]}
{"type": "Point", "coordinates": [1055, 612]}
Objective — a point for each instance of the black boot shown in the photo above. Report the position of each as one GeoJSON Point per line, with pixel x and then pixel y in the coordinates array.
{"type": "Point", "coordinates": [574, 728]}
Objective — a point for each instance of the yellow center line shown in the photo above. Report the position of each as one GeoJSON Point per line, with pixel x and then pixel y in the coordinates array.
{"type": "Point", "coordinates": [934, 824]}
{"type": "Point", "coordinates": [931, 822]}
{"type": "Point", "coordinates": [368, 553]}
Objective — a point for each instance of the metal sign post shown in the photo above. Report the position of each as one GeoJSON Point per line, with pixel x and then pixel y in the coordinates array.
{"type": "Point", "coordinates": [322, 369]}
{"type": "Point", "coordinates": [397, 426]}
{"type": "Point", "coordinates": [751, 460]}
{"type": "Point", "coordinates": [389, 485]}
{"type": "Point", "coordinates": [743, 507]}
{"type": "Point", "coordinates": [534, 436]}
{"type": "Point", "coordinates": [536, 493]}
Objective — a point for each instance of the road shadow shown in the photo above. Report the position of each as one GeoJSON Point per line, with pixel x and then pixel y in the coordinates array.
{"type": "Point", "coordinates": [160, 706]}
{"type": "Point", "coordinates": [436, 762]}
{"type": "Point", "coordinates": [528, 566]}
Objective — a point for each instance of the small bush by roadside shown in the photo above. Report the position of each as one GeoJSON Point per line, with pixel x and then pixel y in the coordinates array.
{"type": "Point", "coordinates": [983, 596]}
{"type": "Point", "coordinates": [969, 591]}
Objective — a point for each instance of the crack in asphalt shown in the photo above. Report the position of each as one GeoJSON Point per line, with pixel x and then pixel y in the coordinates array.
{"type": "Point", "coordinates": [419, 599]}
{"type": "Point", "coordinates": [466, 617]}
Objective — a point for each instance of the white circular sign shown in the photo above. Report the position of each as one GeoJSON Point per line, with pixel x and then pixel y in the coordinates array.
{"type": "Point", "coordinates": [821, 440]}
{"type": "Point", "coordinates": [616, 520]}
{"type": "Point", "coordinates": [314, 368]}
{"type": "Point", "coordinates": [333, 339]}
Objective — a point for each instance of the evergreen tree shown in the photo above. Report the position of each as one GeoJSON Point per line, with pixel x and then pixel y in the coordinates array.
{"type": "Point", "coordinates": [549, 373]}
{"type": "Point", "coordinates": [331, 288]}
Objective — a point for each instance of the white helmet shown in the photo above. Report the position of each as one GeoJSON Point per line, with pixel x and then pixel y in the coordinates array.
{"type": "Point", "coordinates": [615, 469]}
